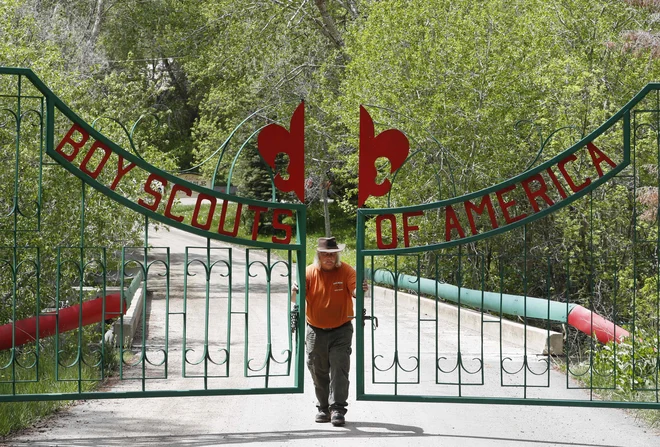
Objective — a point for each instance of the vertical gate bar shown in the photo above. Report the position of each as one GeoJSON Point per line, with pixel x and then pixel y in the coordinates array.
{"type": "Point", "coordinates": [419, 318]}
{"type": "Point", "coordinates": [184, 351]}
{"type": "Point", "coordinates": [483, 286]}
{"type": "Point", "coordinates": [459, 283]}
{"type": "Point", "coordinates": [634, 256]}
{"type": "Point", "coordinates": [167, 308]}
{"type": "Point", "coordinates": [548, 325]}
{"type": "Point", "coordinates": [289, 259]}
{"type": "Point", "coordinates": [567, 349]}
{"type": "Point", "coordinates": [626, 137]}
{"type": "Point", "coordinates": [122, 275]}
{"type": "Point", "coordinates": [657, 247]}
{"type": "Point", "coordinates": [437, 329]}
{"type": "Point", "coordinates": [359, 330]}
{"type": "Point", "coordinates": [81, 280]}
{"type": "Point", "coordinates": [207, 310]}
{"type": "Point", "coordinates": [373, 332]}
{"type": "Point", "coordinates": [592, 291]}
{"type": "Point", "coordinates": [634, 232]}
{"type": "Point", "coordinates": [103, 313]}
{"type": "Point", "coordinates": [57, 313]}
{"type": "Point", "coordinates": [301, 256]}
{"type": "Point", "coordinates": [229, 308]}
{"type": "Point", "coordinates": [525, 290]}
{"type": "Point", "coordinates": [13, 319]}
{"type": "Point", "coordinates": [41, 165]}
{"type": "Point", "coordinates": [501, 272]}
{"type": "Point", "coordinates": [14, 266]}
{"type": "Point", "coordinates": [615, 345]}
{"type": "Point", "coordinates": [38, 313]}
{"type": "Point", "coordinates": [396, 325]}
{"type": "Point", "coordinates": [245, 310]}
{"type": "Point", "coordinates": [145, 261]}
{"type": "Point", "coordinates": [269, 341]}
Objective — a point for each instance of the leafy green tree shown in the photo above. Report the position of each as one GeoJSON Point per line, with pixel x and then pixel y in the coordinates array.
{"type": "Point", "coordinates": [46, 49]}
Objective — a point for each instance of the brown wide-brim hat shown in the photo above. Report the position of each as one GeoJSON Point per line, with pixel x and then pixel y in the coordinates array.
{"type": "Point", "coordinates": [329, 245]}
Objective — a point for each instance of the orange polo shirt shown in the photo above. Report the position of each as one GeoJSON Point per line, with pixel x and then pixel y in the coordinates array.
{"type": "Point", "coordinates": [329, 295]}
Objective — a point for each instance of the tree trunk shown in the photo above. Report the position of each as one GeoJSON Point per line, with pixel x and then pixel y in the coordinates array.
{"type": "Point", "coordinates": [98, 16]}
{"type": "Point", "coordinates": [326, 209]}
{"type": "Point", "coordinates": [329, 23]}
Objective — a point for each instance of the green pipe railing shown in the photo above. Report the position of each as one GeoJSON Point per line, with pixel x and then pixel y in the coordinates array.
{"type": "Point", "coordinates": [524, 306]}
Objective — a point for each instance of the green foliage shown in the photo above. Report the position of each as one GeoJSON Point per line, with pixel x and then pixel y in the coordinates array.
{"type": "Point", "coordinates": [17, 415]}
{"type": "Point", "coordinates": [630, 366]}
{"type": "Point", "coordinates": [628, 371]}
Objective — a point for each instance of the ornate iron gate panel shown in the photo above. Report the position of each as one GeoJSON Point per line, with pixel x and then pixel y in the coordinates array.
{"type": "Point", "coordinates": [541, 290]}
{"type": "Point", "coordinates": [209, 317]}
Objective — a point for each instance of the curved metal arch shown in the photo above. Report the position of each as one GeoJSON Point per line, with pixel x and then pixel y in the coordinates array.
{"type": "Point", "coordinates": [225, 144]}
{"type": "Point", "coordinates": [55, 104]}
{"type": "Point", "coordinates": [206, 355]}
{"type": "Point", "coordinates": [221, 262]}
{"type": "Point", "coordinates": [27, 366]}
{"type": "Point", "coordinates": [545, 142]}
{"type": "Point", "coordinates": [34, 262]}
{"type": "Point", "coordinates": [267, 269]}
{"type": "Point", "coordinates": [14, 114]}
{"type": "Point", "coordinates": [394, 177]}
{"type": "Point", "coordinates": [206, 268]}
{"type": "Point", "coordinates": [268, 169]}
{"type": "Point", "coordinates": [123, 127]}
{"type": "Point", "coordinates": [466, 370]}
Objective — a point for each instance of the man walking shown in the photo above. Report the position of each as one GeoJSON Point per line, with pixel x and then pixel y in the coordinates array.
{"type": "Point", "coordinates": [330, 289]}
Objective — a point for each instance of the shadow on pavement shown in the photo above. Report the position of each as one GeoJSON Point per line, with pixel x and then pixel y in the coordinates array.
{"type": "Point", "coordinates": [352, 430]}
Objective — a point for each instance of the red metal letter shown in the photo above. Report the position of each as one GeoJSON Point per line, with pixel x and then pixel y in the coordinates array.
{"type": "Point", "coordinates": [379, 231]}
{"type": "Point", "coordinates": [391, 144]}
{"type": "Point", "coordinates": [257, 213]}
{"type": "Point", "coordinates": [157, 195]}
{"type": "Point", "coordinates": [555, 181]}
{"type": "Point", "coordinates": [567, 177]}
{"type": "Point", "coordinates": [485, 203]}
{"type": "Point", "coordinates": [408, 228]}
{"type": "Point", "coordinates": [121, 171]}
{"type": "Point", "coordinates": [223, 215]}
{"type": "Point", "coordinates": [168, 209]}
{"type": "Point", "coordinates": [209, 218]}
{"type": "Point", "coordinates": [451, 221]}
{"type": "Point", "coordinates": [274, 140]}
{"type": "Point", "coordinates": [106, 155]}
{"type": "Point", "coordinates": [505, 205]}
{"type": "Point", "coordinates": [280, 226]}
{"type": "Point", "coordinates": [541, 192]}
{"type": "Point", "coordinates": [76, 145]}
{"type": "Point", "coordinates": [597, 156]}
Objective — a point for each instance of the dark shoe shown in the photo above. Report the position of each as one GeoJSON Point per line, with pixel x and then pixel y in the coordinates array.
{"type": "Point", "coordinates": [337, 419]}
{"type": "Point", "coordinates": [323, 416]}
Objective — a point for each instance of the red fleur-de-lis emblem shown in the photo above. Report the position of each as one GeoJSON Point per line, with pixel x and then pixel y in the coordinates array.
{"type": "Point", "coordinates": [274, 140]}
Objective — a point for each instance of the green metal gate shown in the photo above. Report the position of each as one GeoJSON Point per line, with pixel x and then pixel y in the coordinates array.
{"type": "Point", "coordinates": [541, 290]}
{"type": "Point", "coordinates": [213, 320]}
{"type": "Point", "coordinates": [212, 317]}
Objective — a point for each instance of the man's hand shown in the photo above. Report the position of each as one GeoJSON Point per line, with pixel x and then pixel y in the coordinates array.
{"type": "Point", "coordinates": [294, 292]}
{"type": "Point", "coordinates": [365, 288]}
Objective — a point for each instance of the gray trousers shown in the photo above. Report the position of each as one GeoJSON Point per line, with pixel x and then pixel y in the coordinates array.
{"type": "Point", "coordinates": [329, 362]}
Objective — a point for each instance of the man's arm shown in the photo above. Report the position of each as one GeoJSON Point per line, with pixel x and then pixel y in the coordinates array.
{"type": "Point", "coordinates": [365, 287]}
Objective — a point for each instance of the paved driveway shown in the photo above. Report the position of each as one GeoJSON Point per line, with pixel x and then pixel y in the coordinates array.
{"type": "Point", "coordinates": [289, 419]}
